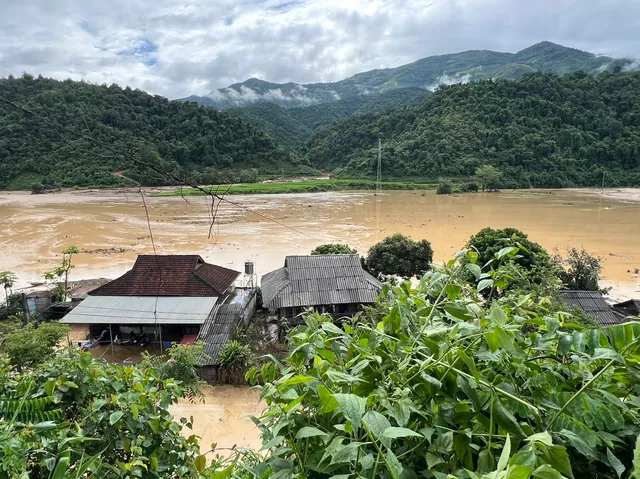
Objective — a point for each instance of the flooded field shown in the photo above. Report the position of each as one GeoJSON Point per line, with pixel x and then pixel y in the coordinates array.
{"type": "Point", "coordinates": [111, 229]}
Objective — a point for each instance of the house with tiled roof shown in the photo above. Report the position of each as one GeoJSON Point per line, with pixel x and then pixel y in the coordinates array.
{"type": "Point", "coordinates": [168, 298]}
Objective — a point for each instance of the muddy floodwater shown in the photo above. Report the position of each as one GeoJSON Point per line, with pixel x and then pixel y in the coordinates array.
{"type": "Point", "coordinates": [223, 419]}
{"type": "Point", "coordinates": [110, 227]}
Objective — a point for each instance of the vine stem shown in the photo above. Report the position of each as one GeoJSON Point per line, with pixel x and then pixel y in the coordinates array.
{"type": "Point", "coordinates": [589, 383]}
{"type": "Point", "coordinates": [575, 396]}
{"type": "Point", "coordinates": [500, 391]}
{"type": "Point", "coordinates": [380, 453]}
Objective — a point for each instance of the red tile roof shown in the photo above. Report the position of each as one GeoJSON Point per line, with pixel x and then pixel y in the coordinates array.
{"type": "Point", "coordinates": [170, 275]}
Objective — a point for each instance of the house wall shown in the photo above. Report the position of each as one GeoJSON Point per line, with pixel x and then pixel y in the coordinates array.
{"type": "Point", "coordinates": [210, 374]}
{"type": "Point", "coordinates": [335, 310]}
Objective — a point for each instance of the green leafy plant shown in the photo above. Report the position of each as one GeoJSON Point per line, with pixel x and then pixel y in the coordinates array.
{"type": "Point", "coordinates": [534, 266]}
{"type": "Point", "coordinates": [73, 416]}
{"type": "Point", "coordinates": [450, 385]}
{"type": "Point", "coordinates": [235, 355]}
{"type": "Point", "coordinates": [445, 187]}
{"type": "Point", "coordinates": [489, 177]}
{"type": "Point", "coordinates": [28, 346]}
{"type": "Point", "coordinates": [180, 363]}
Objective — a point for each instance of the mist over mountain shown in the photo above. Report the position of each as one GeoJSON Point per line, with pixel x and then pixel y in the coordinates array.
{"type": "Point", "coordinates": [426, 73]}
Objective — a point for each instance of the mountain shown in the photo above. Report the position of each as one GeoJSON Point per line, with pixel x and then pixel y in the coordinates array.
{"type": "Point", "coordinates": [293, 126]}
{"type": "Point", "coordinates": [541, 130]}
{"type": "Point", "coordinates": [426, 73]}
{"type": "Point", "coordinates": [182, 138]}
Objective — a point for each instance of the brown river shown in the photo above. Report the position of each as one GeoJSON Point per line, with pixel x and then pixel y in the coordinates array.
{"type": "Point", "coordinates": [111, 228]}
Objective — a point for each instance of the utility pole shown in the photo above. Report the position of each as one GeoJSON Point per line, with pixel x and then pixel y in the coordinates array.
{"type": "Point", "coordinates": [603, 171]}
{"type": "Point", "coordinates": [25, 309]}
{"type": "Point", "coordinates": [379, 175]}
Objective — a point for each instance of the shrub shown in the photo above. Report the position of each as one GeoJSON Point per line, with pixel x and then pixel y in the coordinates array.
{"type": "Point", "coordinates": [235, 356]}
{"type": "Point", "coordinates": [583, 270]}
{"type": "Point", "coordinates": [29, 346]}
{"type": "Point", "coordinates": [470, 187]}
{"type": "Point", "coordinates": [444, 188]}
{"type": "Point", "coordinates": [74, 416]}
{"type": "Point", "coordinates": [399, 255]}
{"type": "Point", "coordinates": [488, 241]}
{"type": "Point", "coordinates": [179, 363]}
{"type": "Point", "coordinates": [334, 248]}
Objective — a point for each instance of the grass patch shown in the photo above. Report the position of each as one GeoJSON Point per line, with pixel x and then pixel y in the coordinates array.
{"type": "Point", "coordinates": [306, 186]}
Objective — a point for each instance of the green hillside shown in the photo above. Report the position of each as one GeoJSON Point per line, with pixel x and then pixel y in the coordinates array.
{"type": "Point", "coordinates": [541, 130]}
{"type": "Point", "coordinates": [183, 138]}
{"type": "Point", "coordinates": [294, 126]}
{"type": "Point", "coordinates": [426, 73]}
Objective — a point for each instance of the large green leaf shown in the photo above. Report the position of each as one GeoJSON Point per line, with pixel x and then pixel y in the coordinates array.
{"type": "Point", "coordinates": [393, 465]}
{"type": "Point", "coordinates": [605, 353]}
{"type": "Point", "coordinates": [396, 432]}
{"type": "Point", "coordinates": [352, 407]}
{"type": "Point", "coordinates": [475, 269]}
{"type": "Point", "coordinates": [519, 471]}
{"type": "Point", "coordinates": [558, 458]}
{"type": "Point", "coordinates": [309, 431]}
{"type": "Point", "coordinates": [636, 460]}
{"type": "Point", "coordinates": [506, 420]}
{"type": "Point", "coordinates": [546, 472]}
{"type": "Point", "coordinates": [615, 463]}
{"type": "Point", "coordinates": [504, 455]}
{"type": "Point", "coordinates": [115, 417]}
{"type": "Point", "coordinates": [376, 423]}
{"type": "Point", "coordinates": [578, 442]}
{"type": "Point", "coordinates": [486, 461]}
{"type": "Point", "coordinates": [329, 403]}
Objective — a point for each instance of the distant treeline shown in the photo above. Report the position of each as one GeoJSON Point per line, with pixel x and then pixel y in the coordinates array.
{"type": "Point", "coordinates": [539, 131]}
{"type": "Point", "coordinates": [181, 138]}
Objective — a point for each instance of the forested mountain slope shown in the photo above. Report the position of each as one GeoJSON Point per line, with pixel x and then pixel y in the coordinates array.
{"type": "Point", "coordinates": [426, 73]}
{"type": "Point", "coordinates": [181, 137]}
{"type": "Point", "coordinates": [541, 130]}
{"type": "Point", "coordinates": [294, 126]}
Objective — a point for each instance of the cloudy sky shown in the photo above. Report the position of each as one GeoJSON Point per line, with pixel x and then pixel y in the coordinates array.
{"type": "Point", "coordinates": [176, 48]}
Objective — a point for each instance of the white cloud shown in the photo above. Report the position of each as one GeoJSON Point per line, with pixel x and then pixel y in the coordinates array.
{"type": "Point", "coordinates": [195, 46]}
{"type": "Point", "coordinates": [449, 80]}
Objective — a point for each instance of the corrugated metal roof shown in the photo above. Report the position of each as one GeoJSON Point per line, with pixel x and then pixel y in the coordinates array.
{"type": "Point", "coordinates": [315, 280]}
{"type": "Point", "coordinates": [140, 310]}
{"type": "Point", "coordinates": [592, 303]}
{"type": "Point", "coordinates": [630, 304]}
{"type": "Point", "coordinates": [170, 275]}
{"type": "Point", "coordinates": [216, 331]}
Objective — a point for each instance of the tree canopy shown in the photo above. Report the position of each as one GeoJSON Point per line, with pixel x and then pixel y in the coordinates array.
{"type": "Point", "coordinates": [399, 255]}
{"type": "Point", "coordinates": [532, 258]}
{"type": "Point", "coordinates": [182, 138]}
{"type": "Point", "coordinates": [540, 131]}
{"type": "Point", "coordinates": [333, 248]}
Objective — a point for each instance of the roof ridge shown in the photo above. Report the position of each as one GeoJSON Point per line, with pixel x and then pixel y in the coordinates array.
{"type": "Point", "coordinates": [195, 273]}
